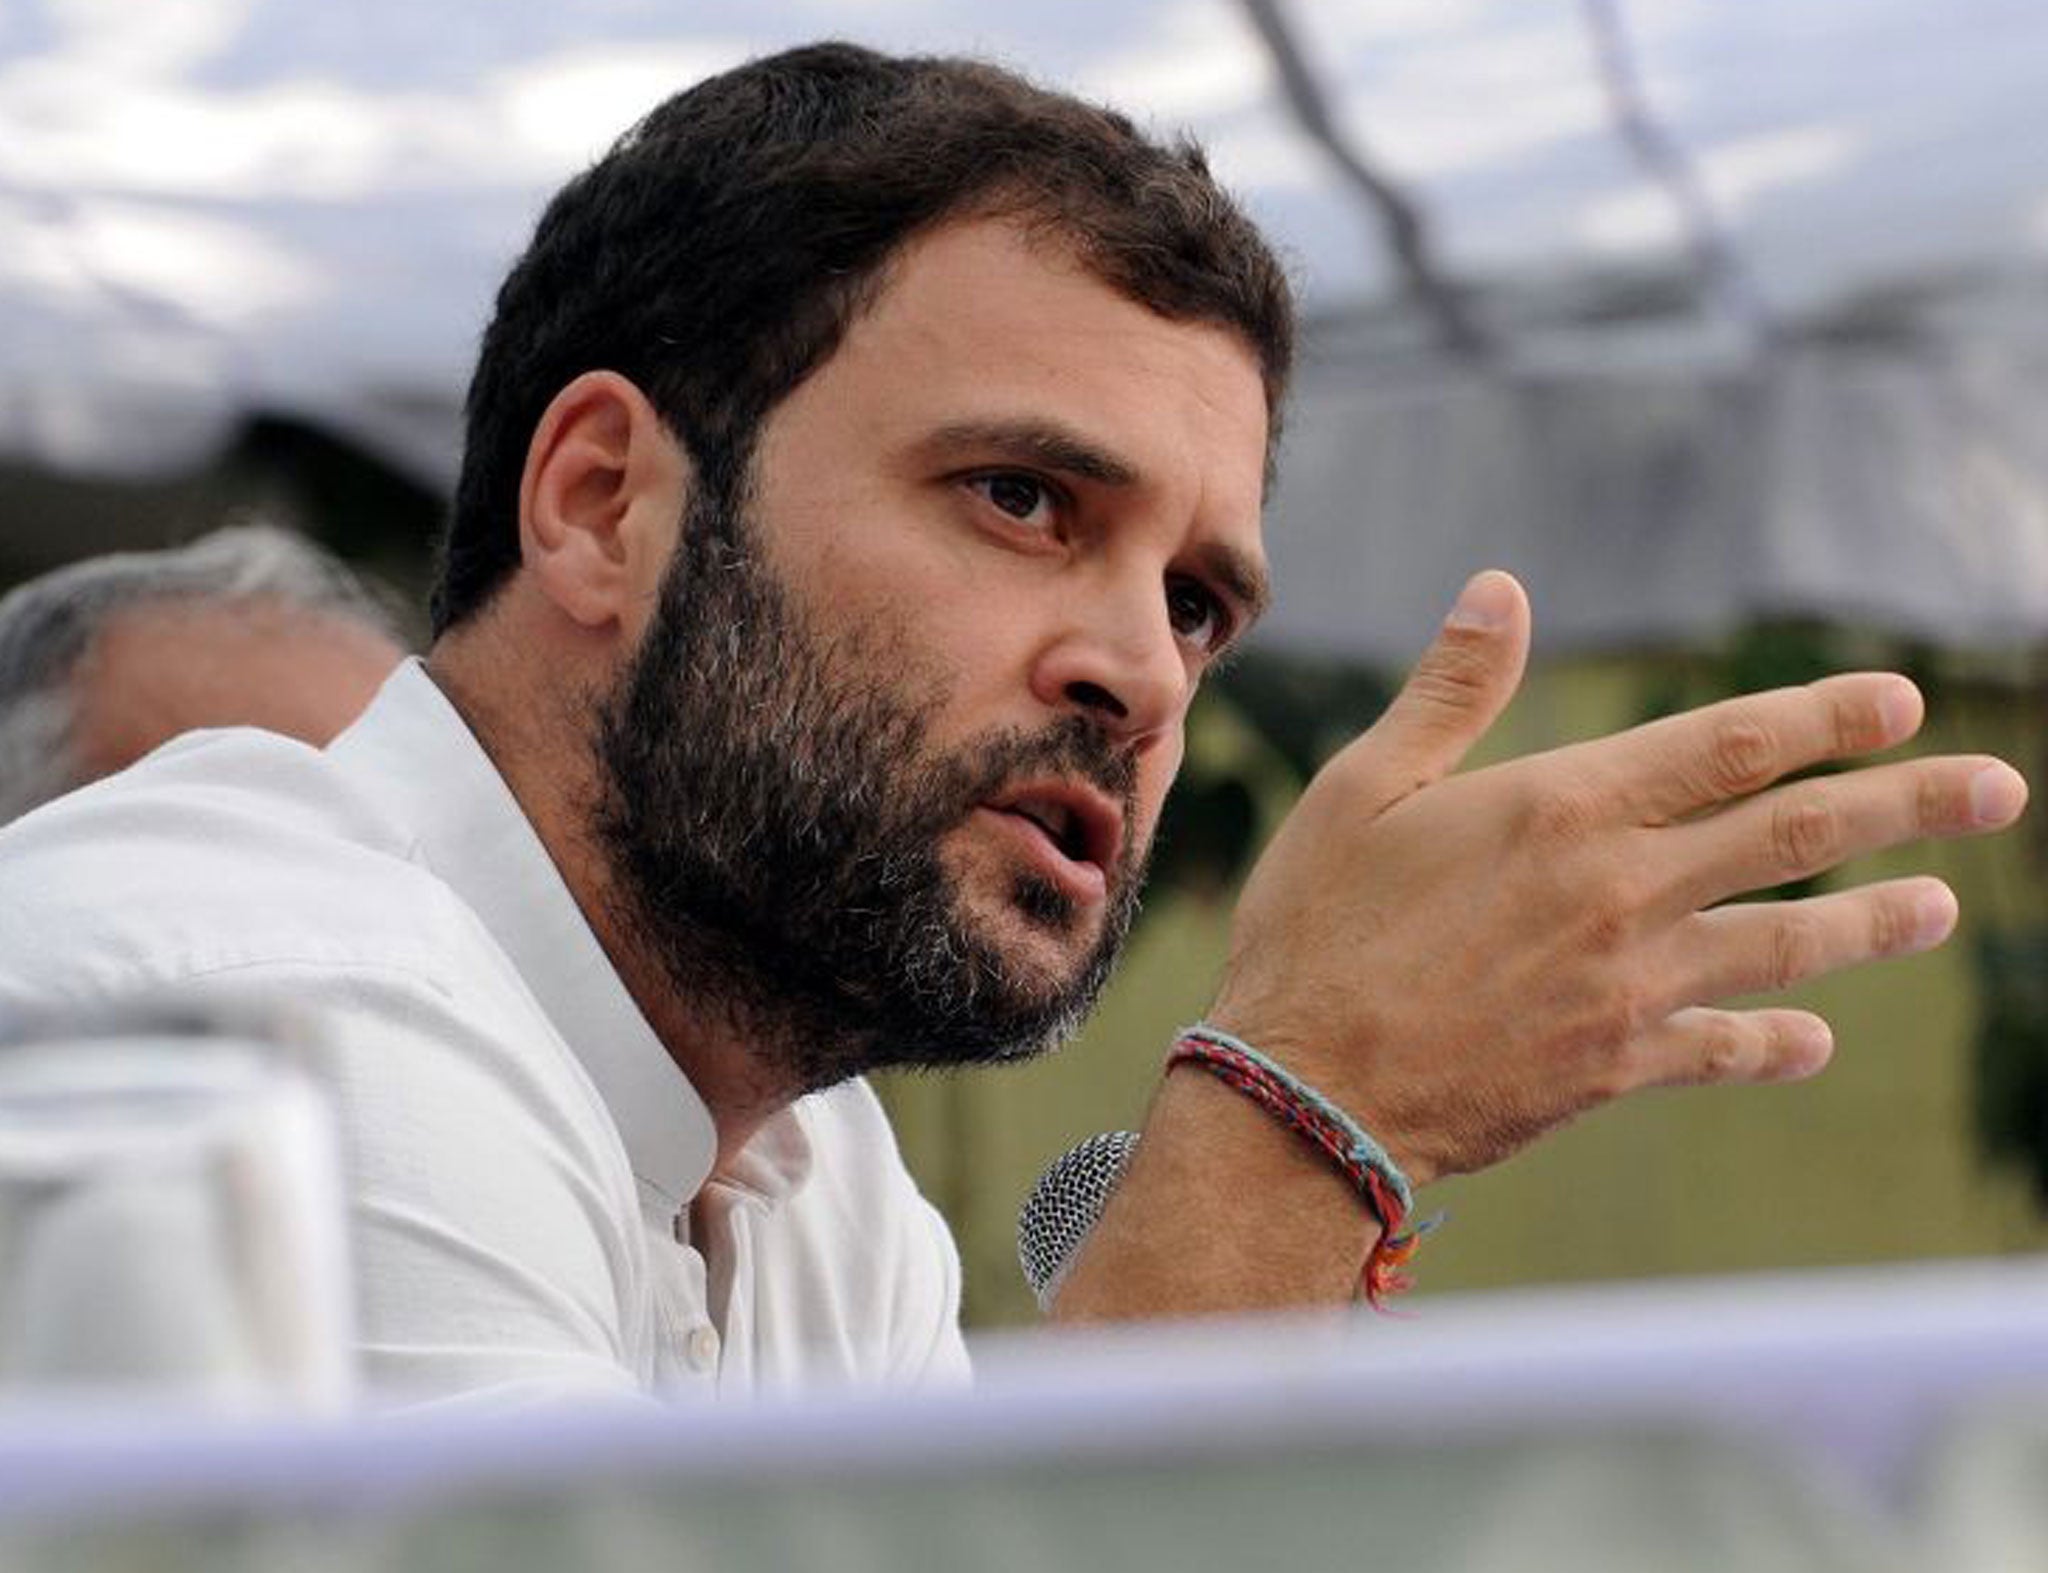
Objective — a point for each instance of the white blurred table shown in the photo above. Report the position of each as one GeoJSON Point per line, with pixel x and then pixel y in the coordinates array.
{"type": "Point", "coordinates": [1866, 1420]}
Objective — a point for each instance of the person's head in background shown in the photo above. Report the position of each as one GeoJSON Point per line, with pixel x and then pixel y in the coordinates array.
{"type": "Point", "coordinates": [103, 660]}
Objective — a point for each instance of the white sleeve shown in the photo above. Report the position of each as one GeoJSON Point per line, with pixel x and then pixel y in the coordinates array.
{"type": "Point", "coordinates": [930, 1348]}
{"type": "Point", "coordinates": [902, 1282]}
{"type": "Point", "coordinates": [492, 1219]}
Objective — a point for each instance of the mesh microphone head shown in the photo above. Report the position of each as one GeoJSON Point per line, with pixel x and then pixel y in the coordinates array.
{"type": "Point", "coordinates": [1063, 1207]}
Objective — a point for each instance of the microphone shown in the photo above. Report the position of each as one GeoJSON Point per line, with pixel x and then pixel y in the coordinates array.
{"type": "Point", "coordinates": [1064, 1205]}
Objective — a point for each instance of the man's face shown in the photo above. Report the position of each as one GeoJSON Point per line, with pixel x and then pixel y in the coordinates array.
{"type": "Point", "coordinates": [884, 774]}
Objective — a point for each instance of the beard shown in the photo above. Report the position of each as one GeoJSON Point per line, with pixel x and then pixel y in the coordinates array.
{"type": "Point", "coordinates": [771, 810]}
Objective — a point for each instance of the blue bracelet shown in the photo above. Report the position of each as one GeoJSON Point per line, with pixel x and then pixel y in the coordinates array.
{"type": "Point", "coordinates": [1363, 1150]}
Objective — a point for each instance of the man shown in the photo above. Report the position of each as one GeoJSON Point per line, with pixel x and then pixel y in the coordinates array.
{"type": "Point", "coordinates": [864, 466]}
{"type": "Point", "coordinates": [103, 660]}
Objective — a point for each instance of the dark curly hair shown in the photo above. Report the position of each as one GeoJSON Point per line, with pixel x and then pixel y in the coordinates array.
{"type": "Point", "coordinates": [717, 253]}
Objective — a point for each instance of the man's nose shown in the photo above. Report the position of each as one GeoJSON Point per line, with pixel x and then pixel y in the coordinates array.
{"type": "Point", "coordinates": [1116, 657]}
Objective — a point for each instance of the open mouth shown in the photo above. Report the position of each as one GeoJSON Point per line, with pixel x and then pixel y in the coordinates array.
{"type": "Point", "coordinates": [1060, 828]}
{"type": "Point", "coordinates": [1082, 825]}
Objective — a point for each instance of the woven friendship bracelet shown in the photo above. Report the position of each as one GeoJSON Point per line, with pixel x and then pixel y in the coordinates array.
{"type": "Point", "coordinates": [1305, 1111]}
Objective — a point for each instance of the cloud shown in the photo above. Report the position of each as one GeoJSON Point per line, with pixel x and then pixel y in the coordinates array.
{"type": "Point", "coordinates": [207, 271]}
{"type": "Point", "coordinates": [1266, 151]}
{"type": "Point", "coordinates": [566, 110]}
{"type": "Point", "coordinates": [1203, 60]}
{"type": "Point", "coordinates": [1735, 174]}
{"type": "Point", "coordinates": [1393, 23]}
{"type": "Point", "coordinates": [1468, 103]}
{"type": "Point", "coordinates": [74, 128]}
{"type": "Point", "coordinates": [117, 38]}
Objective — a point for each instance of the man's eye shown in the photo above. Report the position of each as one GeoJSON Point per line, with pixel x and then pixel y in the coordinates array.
{"type": "Point", "coordinates": [1022, 497]}
{"type": "Point", "coordinates": [1197, 615]}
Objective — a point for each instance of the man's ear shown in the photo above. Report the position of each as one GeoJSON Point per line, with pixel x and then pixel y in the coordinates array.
{"type": "Point", "coordinates": [600, 502]}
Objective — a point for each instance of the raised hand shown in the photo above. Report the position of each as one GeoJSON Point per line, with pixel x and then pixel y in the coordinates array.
{"type": "Point", "coordinates": [1467, 961]}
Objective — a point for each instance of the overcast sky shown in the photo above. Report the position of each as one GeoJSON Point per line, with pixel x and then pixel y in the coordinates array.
{"type": "Point", "coordinates": [283, 196]}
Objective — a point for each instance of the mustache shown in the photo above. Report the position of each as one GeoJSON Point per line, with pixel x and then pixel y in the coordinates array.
{"type": "Point", "coordinates": [1075, 746]}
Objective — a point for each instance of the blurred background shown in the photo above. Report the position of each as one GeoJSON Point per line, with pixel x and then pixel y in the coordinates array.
{"type": "Point", "coordinates": [1726, 327]}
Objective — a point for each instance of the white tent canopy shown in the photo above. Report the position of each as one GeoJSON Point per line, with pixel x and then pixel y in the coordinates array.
{"type": "Point", "coordinates": [1662, 500]}
{"type": "Point", "coordinates": [210, 208]}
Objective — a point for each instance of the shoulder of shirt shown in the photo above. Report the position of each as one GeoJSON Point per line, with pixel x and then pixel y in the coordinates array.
{"type": "Point", "coordinates": [847, 1123]}
{"type": "Point", "coordinates": [861, 1190]}
{"type": "Point", "coordinates": [223, 849]}
{"type": "Point", "coordinates": [854, 1149]}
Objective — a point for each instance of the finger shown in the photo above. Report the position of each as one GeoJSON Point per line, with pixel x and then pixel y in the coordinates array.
{"type": "Point", "coordinates": [1456, 691]}
{"type": "Point", "coordinates": [1668, 769]}
{"type": "Point", "coordinates": [1808, 827]}
{"type": "Point", "coordinates": [1698, 1047]}
{"type": "Point", "coordinates": [1766, 946]}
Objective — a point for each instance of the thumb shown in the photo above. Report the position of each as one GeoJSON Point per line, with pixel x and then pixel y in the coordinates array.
{"type": "Point", "coordinates": [1456, 691]}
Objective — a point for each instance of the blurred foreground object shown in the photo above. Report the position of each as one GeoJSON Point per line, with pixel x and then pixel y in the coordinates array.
{"type": "Point", "coordinates": [170, 1227]}
{"type": "Point", "coordinates": [1793, 1423]}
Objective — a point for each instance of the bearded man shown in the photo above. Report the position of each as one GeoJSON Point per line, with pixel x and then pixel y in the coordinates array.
{"type": "Point", "coordinates": [864, 466]}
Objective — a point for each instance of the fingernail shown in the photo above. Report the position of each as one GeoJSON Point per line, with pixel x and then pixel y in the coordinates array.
{"type": "Point", "coordinates": [1900, 710]}
{"type": "Point", "coordinates": [1997, 794]}
{"type": "Point", "coordinates": [1934, 918]}
{"type": "Point", "coordinates": [1485, 604]}
{"type": "Point", "coordinates": [1809, 1046]}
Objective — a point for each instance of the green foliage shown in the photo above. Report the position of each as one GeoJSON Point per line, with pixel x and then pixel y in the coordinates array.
{"type": "Point", "coordinates": [1762, 656]}
{"type": "Point", "coordinates": [1779, 655]}
{"type": "Point", "coordinates": [2010, 961]}
{"type": "Point", "coordinates": [359, 507]}
{"type": "Point", "coordinates": [1258, 732]}
{"type": "Point", "coordinates": [2012, 1051]}
{"type": "Point", "coordinates": [1208, 834]}
{"type": "Point", "coordinates": [1306, 708]}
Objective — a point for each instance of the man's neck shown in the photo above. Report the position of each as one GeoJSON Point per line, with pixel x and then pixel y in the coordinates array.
{"type": "Point", "coordinates": [538, 749]}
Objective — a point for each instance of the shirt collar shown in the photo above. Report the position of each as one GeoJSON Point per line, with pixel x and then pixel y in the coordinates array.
{"type": "Point", "coordinates": [777, 1160]}
{"type": "Point", "coordinates": [416, 754]}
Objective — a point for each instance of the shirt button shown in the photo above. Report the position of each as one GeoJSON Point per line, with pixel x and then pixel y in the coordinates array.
{"type": "Point", "coordinates": [701, 1348]}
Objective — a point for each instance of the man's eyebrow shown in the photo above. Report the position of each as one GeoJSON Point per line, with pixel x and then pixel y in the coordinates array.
{"type": "Point", "coordinates": [1243, 577]}
{"type": "Point", "coordinates": [1053, 446]}
{"type": "Point", "coordinates": [1041, 442]}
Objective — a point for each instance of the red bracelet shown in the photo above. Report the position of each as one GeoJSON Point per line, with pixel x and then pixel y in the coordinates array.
{"type": "Point", "coordinates": [1313, 1117]}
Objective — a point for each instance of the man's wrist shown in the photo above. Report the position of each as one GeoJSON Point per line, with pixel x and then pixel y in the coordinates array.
{"type": "Point", "coordinates": [1335, 1069]}
{"type": "Point", "coordinates": [1325, 1128]}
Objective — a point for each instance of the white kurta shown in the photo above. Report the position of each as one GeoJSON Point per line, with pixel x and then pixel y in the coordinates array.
{"type": "Point", "coordinates": [531, 1204]}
